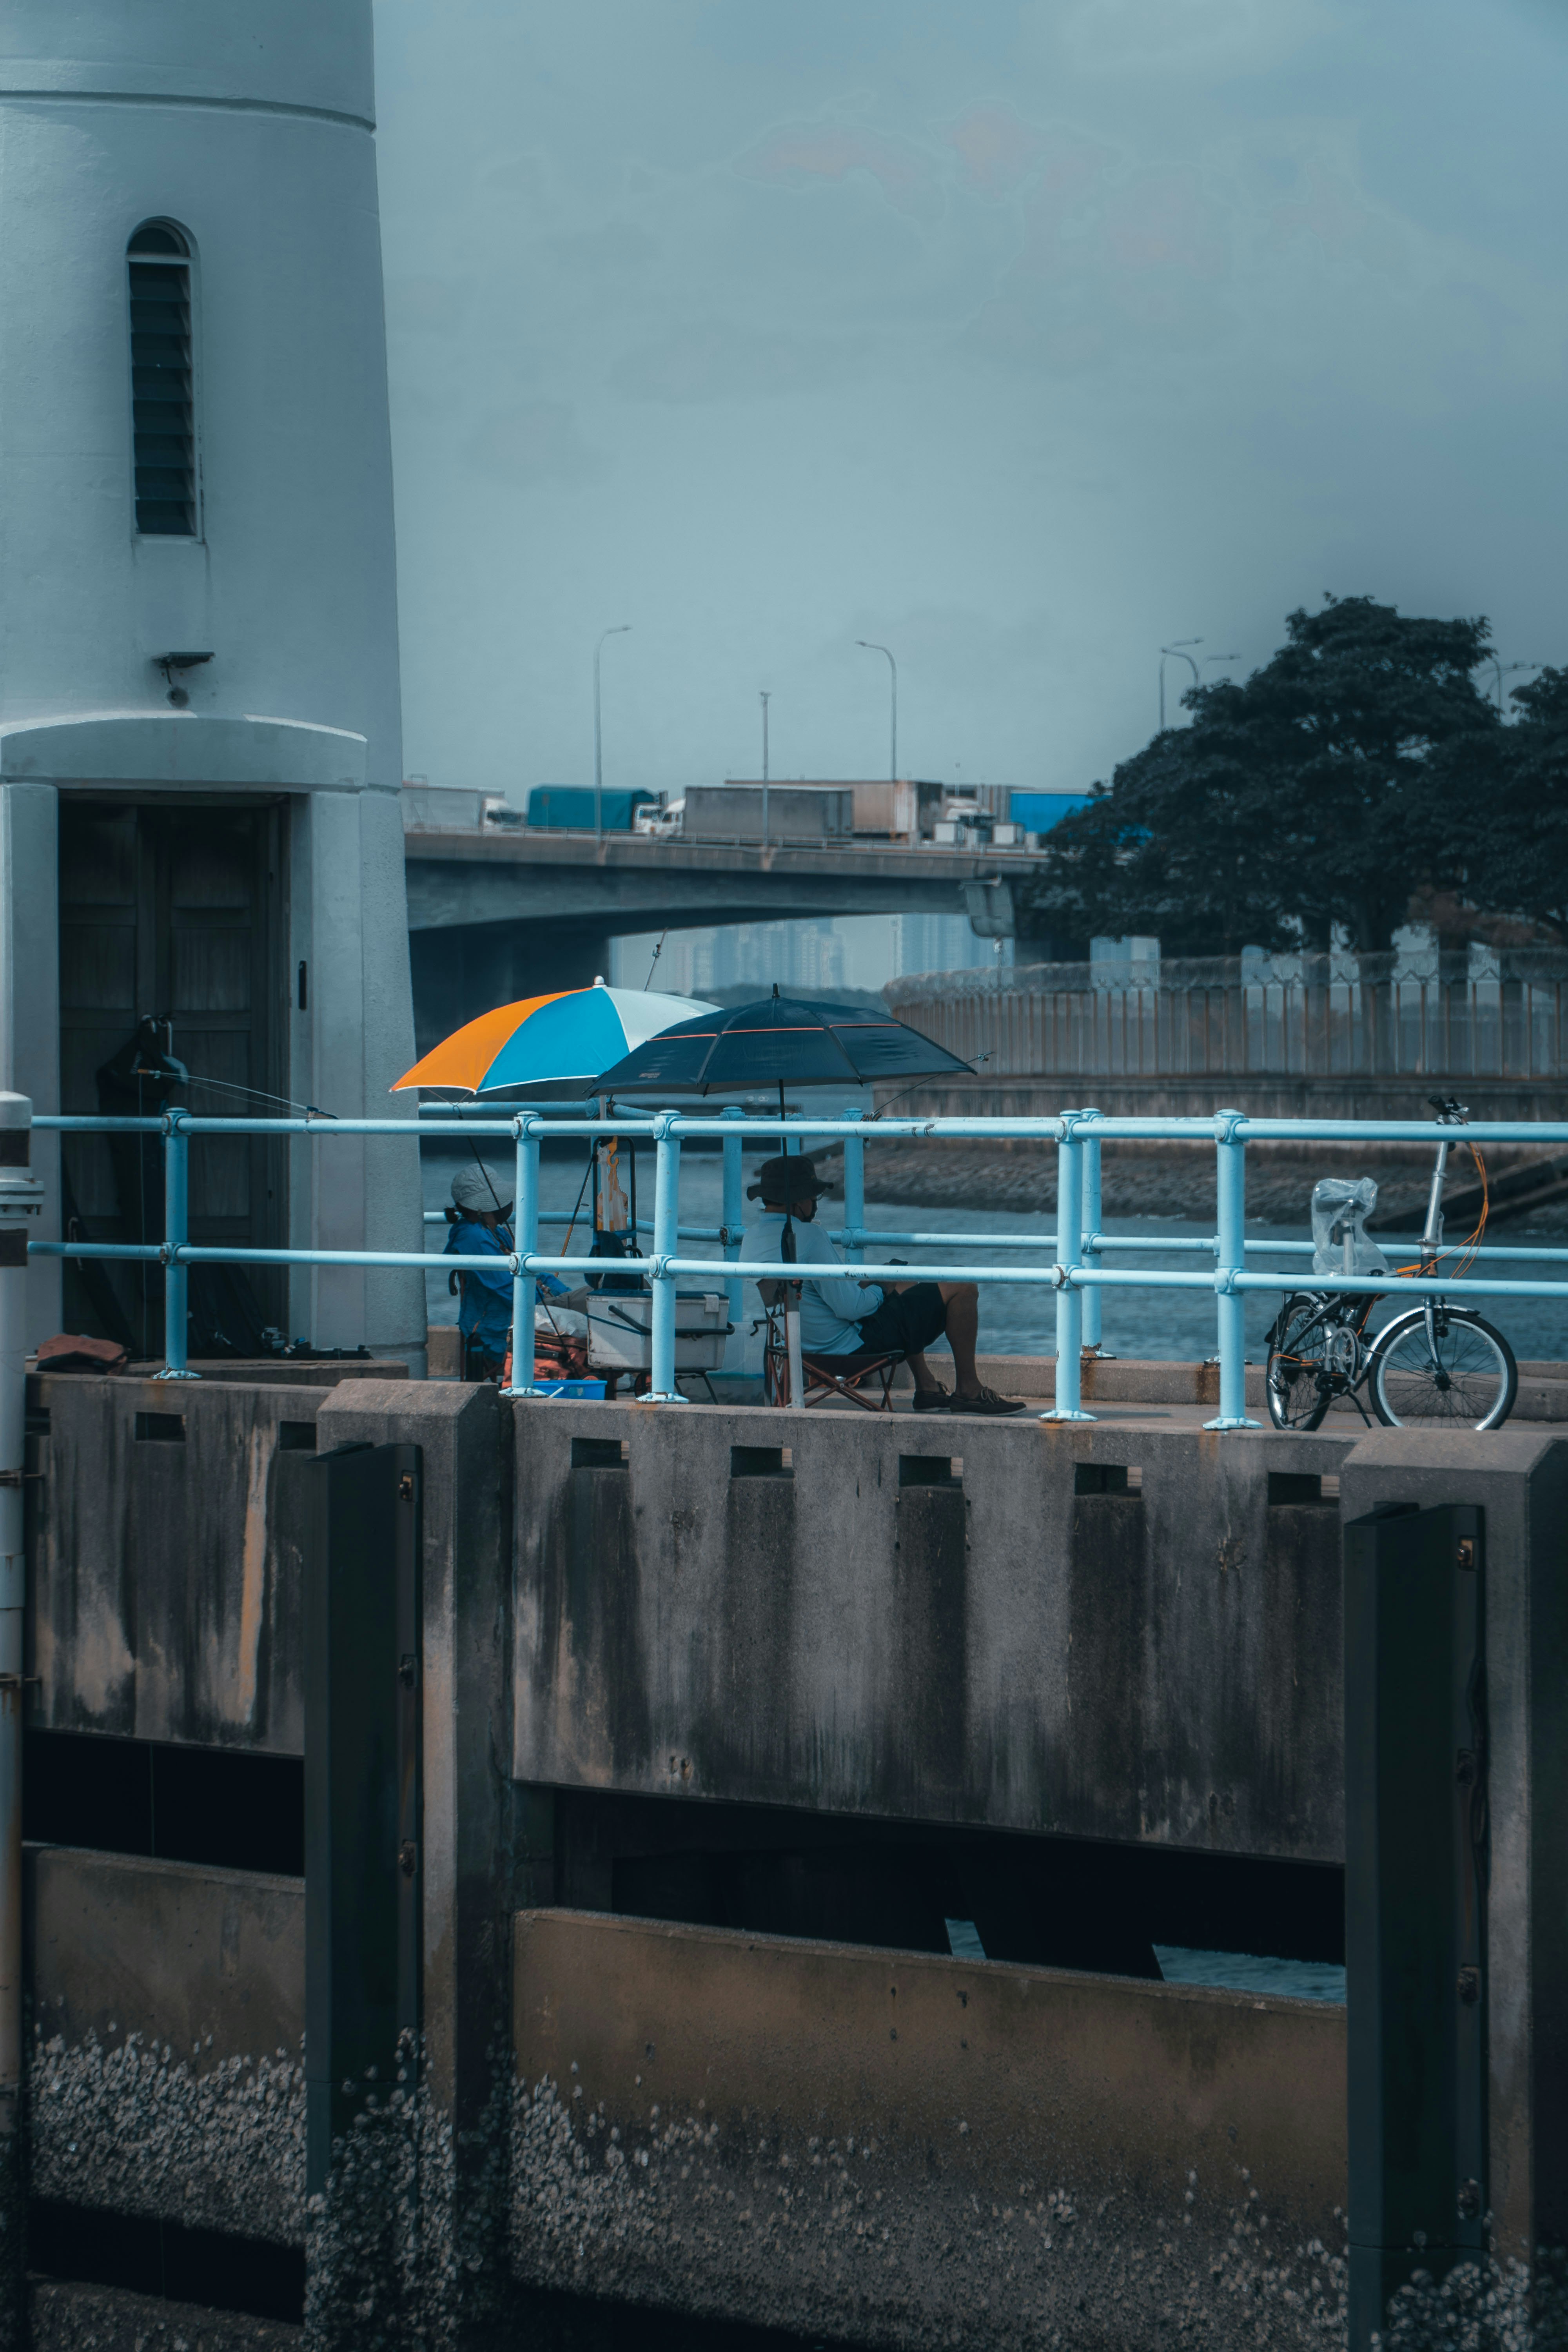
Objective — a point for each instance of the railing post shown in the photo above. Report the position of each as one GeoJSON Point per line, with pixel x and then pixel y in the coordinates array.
{"type": "Point", "coordinates": [666, 1245]}
{"type": "Point", "coordinates": [1230, 1154]}
{"type": "Point", "coordinates": [733, 1218]}
{"type": "Point", "coordinates": [1090, 1256]}
{"type": "Point", "coordinates": [176, 1233]}
{"type": "Point", "coordinates": [1068, 1405]}
{"type": "Point", "coordinates": [525, 1242]}
{"type": "Point", "coordinates": [855, 1190]}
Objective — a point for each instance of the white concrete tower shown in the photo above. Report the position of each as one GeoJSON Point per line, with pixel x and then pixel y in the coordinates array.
{"type": "Point", "coordinates": [194, 459]}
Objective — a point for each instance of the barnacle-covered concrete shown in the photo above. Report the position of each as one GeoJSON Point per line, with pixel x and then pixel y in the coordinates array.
{"type": "Point", "coordinates": [911, 2151]}
{"type": "Point", "coordinates": [167, 2076]}
{"type": "Point", "coordinates": [138, 2128]}
{"type": "Point", "coordinates": [70, 2319]}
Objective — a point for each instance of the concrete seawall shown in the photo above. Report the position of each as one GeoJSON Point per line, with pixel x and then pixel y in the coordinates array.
{"type": "Point", "coordinates": [931, 2151]}
{"type": "Point", "coordinates": [722, 1711]}
{"type": "Point", "coordinates": [1101, 1632]}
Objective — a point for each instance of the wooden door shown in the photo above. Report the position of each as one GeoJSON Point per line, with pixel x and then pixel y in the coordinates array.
{"type": "Point", "coordinates": [177, 910]}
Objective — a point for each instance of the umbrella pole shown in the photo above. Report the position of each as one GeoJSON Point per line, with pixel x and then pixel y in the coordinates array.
{"type": "Point", "coordinates": [791, 1290]}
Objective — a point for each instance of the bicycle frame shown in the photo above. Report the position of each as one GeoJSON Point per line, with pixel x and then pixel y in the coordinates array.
{"type": "Point", "coordinates": [1335, 1324]}
{"type": "Point", "coordinates": [1449, 1114]}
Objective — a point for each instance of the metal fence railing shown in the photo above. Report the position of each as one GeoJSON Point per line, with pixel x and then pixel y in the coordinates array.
{"type": "Point", "coordinates": [1075, 1268]}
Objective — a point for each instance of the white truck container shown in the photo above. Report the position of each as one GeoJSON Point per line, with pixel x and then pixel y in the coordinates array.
{"type": "Point", "coordinates": [798, 815]}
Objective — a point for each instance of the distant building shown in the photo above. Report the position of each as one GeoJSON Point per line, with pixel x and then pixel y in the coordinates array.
{"type": "Point", "coordinates": [199, 722]}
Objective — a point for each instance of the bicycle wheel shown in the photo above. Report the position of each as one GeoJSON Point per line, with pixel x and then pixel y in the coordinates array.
{"type": "Point", "coordinates": [1297, 1382]}
{"type": "Point", "coordinates": [1462, 1376]}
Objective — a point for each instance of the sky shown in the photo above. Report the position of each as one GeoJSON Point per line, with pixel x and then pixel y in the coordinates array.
{"type": "Point", "coordinates": [1019, 336]}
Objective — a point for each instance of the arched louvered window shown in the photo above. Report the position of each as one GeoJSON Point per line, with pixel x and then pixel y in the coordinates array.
{"type": "Point", "coordinates": [162, 389]}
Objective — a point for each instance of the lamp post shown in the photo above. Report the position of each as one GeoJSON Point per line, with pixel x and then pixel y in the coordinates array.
{"type": "Point", "coordinates": [1504, 669]}
{"type": "Point", "coordinates": [1166, 652]}
{"type": "Point", "coordinates": [893, 668]}
{"type": "Point", "coordinates": [764, 700]}
{"type": "Point", "coordinates": [623, 630]}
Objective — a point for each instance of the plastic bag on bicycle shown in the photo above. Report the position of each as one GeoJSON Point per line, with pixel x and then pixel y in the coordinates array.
{"type": "Point", "coordinates": [1341, 1243]}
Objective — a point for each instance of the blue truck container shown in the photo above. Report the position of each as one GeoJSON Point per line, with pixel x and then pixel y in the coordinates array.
{"type": "Point", "coordinates": [571, 807]}
{"type": "Point", "coordinates": [1038, 812]}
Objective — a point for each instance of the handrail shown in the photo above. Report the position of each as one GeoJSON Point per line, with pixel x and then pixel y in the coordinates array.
{"type": "Point", "coordinates": [1069, 1259]}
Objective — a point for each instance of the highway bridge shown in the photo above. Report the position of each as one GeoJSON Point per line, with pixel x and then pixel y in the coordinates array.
{"type": "Point", "coordinates": [497, 912]}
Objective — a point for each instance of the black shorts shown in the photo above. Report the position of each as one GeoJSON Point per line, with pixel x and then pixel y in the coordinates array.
{"type": "Point", "coordinates": [482, 1361]}
{"type": "Point", "coordinates": [908, 1320]}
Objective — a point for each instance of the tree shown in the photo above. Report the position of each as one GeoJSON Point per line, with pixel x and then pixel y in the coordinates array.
{"type": "Point", "coordinates": [1316, 793]}
{"type": "Point", "coordinates": [1506, 840]}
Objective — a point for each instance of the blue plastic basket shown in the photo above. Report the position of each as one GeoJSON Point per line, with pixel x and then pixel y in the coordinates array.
{"type": "Point", "coordinates": [588, 1389]}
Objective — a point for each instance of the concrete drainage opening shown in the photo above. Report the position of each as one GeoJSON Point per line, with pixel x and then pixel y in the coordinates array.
{"type": "Point", "coordinates": [931, 1470]}
{"type": "Point", "coordinates": [1107, 1478]}
{"type": "Point", "coordinates": [600, 1452]}
{"type": "Point", "coordinates": [761, 1461]}
{"type": "Point", "coordinates": [161, 1428]}
{"type": "Point", "coordinates": [1288, 1487]}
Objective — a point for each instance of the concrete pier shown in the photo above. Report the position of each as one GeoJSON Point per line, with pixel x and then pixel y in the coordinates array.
{"type": "Point", "coordinates": [723, 1713]}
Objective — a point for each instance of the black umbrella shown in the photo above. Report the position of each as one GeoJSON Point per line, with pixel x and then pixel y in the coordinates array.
{"type": "Point", "coordinates": [778, 1040]}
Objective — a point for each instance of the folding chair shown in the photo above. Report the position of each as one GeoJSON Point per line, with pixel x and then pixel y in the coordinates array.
{"type": "Point", "coordinates": [843, 1376]}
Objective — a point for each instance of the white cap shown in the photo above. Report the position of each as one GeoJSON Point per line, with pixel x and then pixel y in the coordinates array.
{"type": "Point", "coordinates": [476, 1187]}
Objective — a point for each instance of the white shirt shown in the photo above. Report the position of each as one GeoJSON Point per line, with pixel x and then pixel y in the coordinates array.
{"type": "Point", "coordinates": [831, 1311]}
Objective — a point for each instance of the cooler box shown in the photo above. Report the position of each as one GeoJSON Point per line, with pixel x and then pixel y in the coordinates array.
{"type": "Point", "coordinates": [620, 1329]}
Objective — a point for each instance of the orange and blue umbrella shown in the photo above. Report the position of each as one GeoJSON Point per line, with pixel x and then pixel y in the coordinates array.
{"type": "Point", "coordinates": [549, 1040]}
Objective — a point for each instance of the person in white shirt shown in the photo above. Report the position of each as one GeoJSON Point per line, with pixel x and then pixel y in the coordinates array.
{"type": "Point", "coordinates": [844, 1315]}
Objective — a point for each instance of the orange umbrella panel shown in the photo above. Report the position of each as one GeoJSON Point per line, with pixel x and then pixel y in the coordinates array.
{"type": "Point", "coordinates": [459, 1062]}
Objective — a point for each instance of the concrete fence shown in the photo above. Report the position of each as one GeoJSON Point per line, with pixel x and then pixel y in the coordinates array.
{"type": "Point", "coordinates": [1481, 1014]}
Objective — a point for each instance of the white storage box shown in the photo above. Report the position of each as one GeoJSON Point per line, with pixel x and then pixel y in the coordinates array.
{"type": "Point", "coordinates": [620, 1329]}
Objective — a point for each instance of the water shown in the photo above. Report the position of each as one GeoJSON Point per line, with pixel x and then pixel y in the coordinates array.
{"type": "Point", "coordinates": [1236, 1971]}
{"type": "Point", "coordinates": [1165, 1326]}
{"type": "Point", "coordinates": [1249, 1972]}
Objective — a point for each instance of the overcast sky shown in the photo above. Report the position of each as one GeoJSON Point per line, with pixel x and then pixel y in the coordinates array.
{"type": "Point", "coordinates": [1020, 335]}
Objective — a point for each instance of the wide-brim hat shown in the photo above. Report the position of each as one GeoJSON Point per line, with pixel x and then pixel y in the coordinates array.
{"type": "Point", "coordinates": [789, 1177]}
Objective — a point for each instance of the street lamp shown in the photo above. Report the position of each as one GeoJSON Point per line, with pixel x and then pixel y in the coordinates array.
{"type": "Point", "coordinates": [1504, 669]}
{"type": "Point", "coordinates": [765, 700]}
{"type": "Point", "coordinates": [1166, 652]}
{"type": "Point", "coordinates": [622, 631]}
{"type": "Point", "coordinates": [893, 667]}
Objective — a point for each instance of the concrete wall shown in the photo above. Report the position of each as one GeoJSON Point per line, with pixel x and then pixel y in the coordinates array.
{"type": "Point", "coordinates": [471, 1875]}
{"type": "Point", "coordinates": [918, 2151]}
{"type": "Point", "coordinates": [1034, 1648]}
{"type": "Point", "coordinates": [253, 130]}
{"type": "Point", "coordinates": [1156, 1664]}
{"type": "Point", "coordinates": [164, 1599]}
{"type": "Point", "coordinates": [168, 2006]}
{"type": "Point", "coordinates": [1518, 1479]}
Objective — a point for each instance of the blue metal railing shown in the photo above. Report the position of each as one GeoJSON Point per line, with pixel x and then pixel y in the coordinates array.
{"type": "Point", "coordinates": [1076, 1273]}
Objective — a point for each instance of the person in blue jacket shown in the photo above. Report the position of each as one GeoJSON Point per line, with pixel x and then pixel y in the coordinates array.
{"type": "Point", "coordinates": [481, 1227]}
